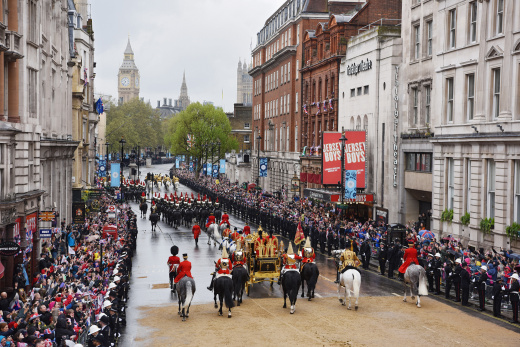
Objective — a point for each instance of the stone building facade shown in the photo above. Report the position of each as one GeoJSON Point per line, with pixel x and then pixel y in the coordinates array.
{"type": "Point", "coordinates": [476, 147]}
{"type": "Point", "coordinates": [244, 85]}
{"type": "Point", "coordinates": [84, 117]}
{"type": "Point", "coordinates": [128, 78]}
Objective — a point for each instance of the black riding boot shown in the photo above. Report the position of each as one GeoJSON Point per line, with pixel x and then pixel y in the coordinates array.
{"type": "Point", "coordinates": [210, 288]}
{"type": "Point", "coordinates": [337, 277]}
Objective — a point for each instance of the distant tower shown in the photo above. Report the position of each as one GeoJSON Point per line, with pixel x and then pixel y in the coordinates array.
{"type": "Point", "coordinates": [244, 85]}
{"type": "Point", "coordinates": [184, 99]}
{"type": "Point", "coordinates": [128, 77]}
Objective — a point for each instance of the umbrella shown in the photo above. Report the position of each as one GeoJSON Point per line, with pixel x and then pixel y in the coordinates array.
{"type": "Point", "coordinates": [426, 234]}
{"type": "Point", "coordinates": [515, 256]}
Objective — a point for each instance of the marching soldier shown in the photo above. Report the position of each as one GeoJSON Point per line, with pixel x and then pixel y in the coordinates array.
{"type": "Point", "coordinates": [173, 264]}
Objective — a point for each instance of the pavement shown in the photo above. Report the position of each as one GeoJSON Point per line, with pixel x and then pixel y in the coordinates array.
{"type": "Point", "coordinates": [149, 281]}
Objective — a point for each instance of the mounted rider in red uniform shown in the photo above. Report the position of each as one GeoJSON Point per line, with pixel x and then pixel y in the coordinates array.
{"type": "Point", "coordinates": [410, 256]}
{"type": "Point", "coordinates": [223, 266]}
{"type": "Point", "coordinates": [308, 255]}
{"type": "Point", "coordinates": [211, 220]}
{"type": "Point", "coordinates": [225, 219]}
{"type": "Point", "coordinates": [289, 262]}
{"type": "Point", "coordinates": [184, 269]}
{"type": "Point", "coordinates": [238, 257]}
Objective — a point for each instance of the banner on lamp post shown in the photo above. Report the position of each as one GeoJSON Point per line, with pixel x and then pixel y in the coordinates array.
{"type": "Point", "coordinates": [208, 169]}
{"type": "Point", "coordinates": [263, 168]}
{"type": "Point", "coordinates": [222, 166]}
{"type": "Point", "coordinates": [115, 180]}
{"type": "Point", "coordinates": [215, 170]}
{"type": "Point", "coordinates": [350, 184]}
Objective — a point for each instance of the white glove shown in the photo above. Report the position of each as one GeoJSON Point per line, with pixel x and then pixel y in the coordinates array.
{"type": "Point", "coordinates": [492, 297]}
{"type": "Point", "coordinates": [503, 288]}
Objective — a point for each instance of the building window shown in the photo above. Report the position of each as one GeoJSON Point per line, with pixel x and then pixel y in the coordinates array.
{"type": "Point", "coordinates": [296, 138]}
{"type": "Point", "coordinates": [296, 103]}
{"type": "Point", "coordinates": [452, 28]}
{"type": "Point", "coordinates": [419, 162]}
{"type": "Point", "coordinates": [517, 191]}
{"type": "Point", "coordinates": [496, 93]}
{"type": "Point", "coordinates": [491, 190]}
{"type": "Point", "coordinates": [353, 92]}
{"type": "Point", "coordinates": [365, 90]}
{"type": "Point", "coordinates": [470, 100]}
{"type": "Point", "coordinates": [451, 185]}
{"type": "Point", "coordinates": [427, 108]}
{"type": "Point", "coordinates": [298, 34]}
{"type": "Point", "coordinates": [417, 42]}
{"type": "Point", "coordinates": [246, 138]}
{"type": "Point", "coordinates": [288, 71]}
{"type": "Point", "coordinates": [297, 69]}
{"type": "Point", "coordinates": [246, 125]}
{"type": "Point", "coordinates": [449, 99]}
{"type": "Point", "coordinates": [500, 17]}
{"type": "Point", "coordinates": [473, 21]}
{"type": "Point", "coordinates": [429, 35]}
{"type": "Point", "coordinates": [33, 22]}
{"type": "Point", "coordinates": [33, 87]}
{"type": "Point", "coordinates": [359, 91]}
{"type": "Point", "coordinates": [415, 105]}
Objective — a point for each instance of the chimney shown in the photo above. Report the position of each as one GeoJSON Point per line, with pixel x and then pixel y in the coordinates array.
{"type": "Point", "coordinates": [164, 102]}
{"type": "Point", "coordinates": [158, 103]}
{"type": "Point", "coordinates": [170, 102]}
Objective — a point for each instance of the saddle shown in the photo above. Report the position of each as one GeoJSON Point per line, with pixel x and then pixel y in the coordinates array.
{"type": "Point", "coordinates": [348, 268]}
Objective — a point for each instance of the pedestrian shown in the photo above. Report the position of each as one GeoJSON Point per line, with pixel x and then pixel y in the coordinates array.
{"type": "Point", "coordinates": [465, 282]}
{"type": "Point", "coordinates": [196, 233]}
{"type": "Point", "coordinates": [437, 273]}
{"type": "Point", "coordinates": [481, 287]}
{"type": "Point", "coordinates": [456, 278]}
{"type": "Point", "coordinates": [366, 252]}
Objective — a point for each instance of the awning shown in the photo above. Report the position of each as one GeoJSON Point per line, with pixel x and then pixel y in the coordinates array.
{"type": "Point", "coordinates": [322, 195]}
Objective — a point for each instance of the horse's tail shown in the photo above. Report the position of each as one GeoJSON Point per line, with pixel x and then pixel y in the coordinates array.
{"type": "Point", "coordinates": [189, 294]}
{"type": "Point", "coordinates": [423, 289]}
{"type": "Point", "coordinates": [356, 283]}
{"type": "Point", "coordinates": [313, 279]}
{"type": "Point", "coordinates": [228, 294]}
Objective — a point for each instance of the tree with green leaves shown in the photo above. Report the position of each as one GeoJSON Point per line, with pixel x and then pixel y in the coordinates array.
{"type": "Point", "coordinates": [137, 122]}
{"type": "Point", "coordinates": [197, 131]}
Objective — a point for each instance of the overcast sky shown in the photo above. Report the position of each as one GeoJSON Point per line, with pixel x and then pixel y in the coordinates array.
{"type": "Point", "coordinates": [203, 37]}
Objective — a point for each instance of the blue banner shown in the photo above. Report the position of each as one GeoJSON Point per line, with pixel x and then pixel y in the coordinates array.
{"type": "Point", "coordinates": [115, 180]}
{"type": "Point", "coordinates": [176, 162]}
{"type": "Point", "coordinates": [102, 168]}
{"type": "Point", "coordinates": [191, 166]}
{"type": "Point", "coordinates": [215, 170]}
{"type": "Point", "coordinates": [208, 169]}
{"type": "Point", "coordinates": [350, 184]}
{"type": "Point", "coordinates": [45, 233]}
{"type": "Point", "coordinates": [263, 167]}
{"type": "Point", "coordinates": [126, 155]}
{"type": "Point", "coordinates": [223, 166]}
{"type": "Point", "coordinates": [110, 157]}
{"type": "Point", "coordinates": [204, 167]}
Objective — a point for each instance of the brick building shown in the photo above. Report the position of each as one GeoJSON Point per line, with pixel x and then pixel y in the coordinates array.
{"type": "Point", "coordinates": [277, 89]}
{"type": "Point", "coordinates": [323, 48]}
{"type": "Point", "coordinates": [240, 121]}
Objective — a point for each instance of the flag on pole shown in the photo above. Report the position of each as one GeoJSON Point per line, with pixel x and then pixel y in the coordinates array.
{"type": "Point", "coordinates": [299, 237]}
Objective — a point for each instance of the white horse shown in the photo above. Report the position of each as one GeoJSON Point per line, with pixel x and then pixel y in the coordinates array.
{"type": "Point", "coordinates": [229, 245]}
{"type": "Point", "coordinates": [415, 277]}
{"type": "Point", "coordinates": [214, 234]}
{"type": "Point", "coordinates": [223, 227]}
{"type": "Point", "coordinates": [350, 280]}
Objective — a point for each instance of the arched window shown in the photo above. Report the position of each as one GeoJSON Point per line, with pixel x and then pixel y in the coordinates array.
{"type": "Point", "coordinates": [352, 123]}
{"type": "Point", "coordinates": [365, 122]}
{"type": "Point", "coordinates": [358, 123]}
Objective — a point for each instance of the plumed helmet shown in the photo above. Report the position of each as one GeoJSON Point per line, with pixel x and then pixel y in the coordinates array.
{"type": "Point", "coordinates": [307, 252]}
{"type": "Point", "coordinates": [174, 250]}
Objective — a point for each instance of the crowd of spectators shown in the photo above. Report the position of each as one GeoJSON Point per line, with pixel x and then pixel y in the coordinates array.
{"type": "Point", "coordinates": [77, 296]}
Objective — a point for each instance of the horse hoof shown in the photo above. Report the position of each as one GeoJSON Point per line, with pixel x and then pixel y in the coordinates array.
{"type": "Point", "coordinates": [238, 303]}
{"type": "Point", "coordinates": [413, 297]}
{"type": "Point", "coordinates": [184, 319]}
{"type": "Point", "coordinates": [341, 301]}
{"type": "Point", "coordinates": [404, 300]}
{"type": "Point", "coordinates": [355, 308]}
{"type": "Point", "coordinates": [418, 305]}
{"type": "Point", "coordinates": [179, 313]}
{"type": "Point", "coordinates": [220, 314]}
{"type": "Point", "coordinates": [344, 304]}
{"type": "Point", "coordinates": [229, 315]}
{"type": "Point", "coordinates": [310, 299]}
{"type": "Point", "coordinates": [302, 295]}
{"type": "Point", "coordinates": [216, 306]}
{"type": "Point", "coordinates": [349, 308]}
{"type": "Point", "coordinates": [284, 306]}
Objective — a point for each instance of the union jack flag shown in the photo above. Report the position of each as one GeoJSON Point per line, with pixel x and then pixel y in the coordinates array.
{"type": "Point", "coordinates": [189, 141]}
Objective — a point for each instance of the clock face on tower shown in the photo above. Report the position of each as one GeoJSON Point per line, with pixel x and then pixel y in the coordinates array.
{"type": "Point", "coordinates": [136, 82]}
{"type": "Point", "coordinates": [125, 81]}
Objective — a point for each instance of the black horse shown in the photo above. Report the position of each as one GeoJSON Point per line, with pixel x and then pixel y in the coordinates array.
{"type": "Point", "coordinates": [176, 218]}
{"type": "Point", "coordinates": [309, 274]}
{"type": "Point", "coordinates": [143, 207]}
{"type": "Point", "coordinates": [185, 291]}
{"type": "Point", "coordinates": [223, 288]}
{"type": "Point", "coordinates": [240, 277]}
{"type": "Point", "coordinates": [290, 284]}
{"type": "Point", "coordinates": [154, 218]}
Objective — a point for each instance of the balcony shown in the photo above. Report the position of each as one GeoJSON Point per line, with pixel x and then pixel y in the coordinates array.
{"type": "Point", "coordinates": [3, 45]}
{"type": "Point", "coordinates": [12, 42]}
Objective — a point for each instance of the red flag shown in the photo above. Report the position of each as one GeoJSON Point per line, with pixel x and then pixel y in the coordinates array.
{"type": "Point", "coordinates": [299, 237]}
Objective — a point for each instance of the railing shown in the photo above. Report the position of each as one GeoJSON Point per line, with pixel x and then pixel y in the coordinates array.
{"type": "Point", "coordinates": [380, 22]}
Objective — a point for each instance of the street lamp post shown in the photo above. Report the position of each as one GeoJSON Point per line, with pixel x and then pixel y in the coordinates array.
{"type": "Point", "coordinates": [138, 159]}
{"type": "Point", "coordinates": [122, 142]}
{"type": "Point", "coordinates": [212, 158]}
{"type": "Point", "coordinates": [218, 159]}
{"type": "Point", "coordinates": [258, 139]}
{"type": "Point", "coordinates": [106, 152]}
{"type": "Point", "coordinates": [205, 158]}
{"type": "Point", "coordinates": [343, 139]}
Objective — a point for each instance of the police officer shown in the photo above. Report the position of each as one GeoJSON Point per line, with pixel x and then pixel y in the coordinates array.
{"type": "Point", "coordinates": [430, 271]}
{"type": "Point", "coordinates": [456, 279]}
{"type": "Point", "coordinates": [514, 297]}
{"type": "Point", "coordinates": [481, 287]}
{"type": "Point", "coordinates": [382, 256]}
{"type": "Point", "coordinates": [437, 273]}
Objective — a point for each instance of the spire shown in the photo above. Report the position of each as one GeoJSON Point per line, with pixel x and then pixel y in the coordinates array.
{"type": "Point", "coordinates": [128, 49]}
{"type": "Point", "coordinates": [184, 78]}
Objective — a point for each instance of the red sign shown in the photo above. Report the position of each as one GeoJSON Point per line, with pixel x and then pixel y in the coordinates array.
{"type": "Point", "coordinates": [111, 208]}
{"type": "Point", "coordinates": [355, 156]}
{"type": "Point", "coordinates": [362, 198]}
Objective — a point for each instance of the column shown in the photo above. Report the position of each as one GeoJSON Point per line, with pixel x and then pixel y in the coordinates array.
{"type": "Point", "coordinates": [12, 68]}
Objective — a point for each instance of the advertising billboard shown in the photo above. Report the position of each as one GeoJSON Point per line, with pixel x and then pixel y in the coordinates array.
{"type": "Point", "coordinates": [355, 157]}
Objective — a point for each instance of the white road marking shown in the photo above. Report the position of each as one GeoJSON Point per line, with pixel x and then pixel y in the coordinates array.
{"type": "Point", "coordinates": [425, 327]}
{"type": "Point", "coordinates": [318, 296]}
{"type": "Point", "coordinates": [396, 294]}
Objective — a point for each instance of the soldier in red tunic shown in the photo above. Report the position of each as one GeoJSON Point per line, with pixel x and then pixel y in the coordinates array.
{"type": "Point", "coordinates": [234, 235]}
{"type": "Point", "coordinates": [184, 269]}
{"type": "Point", "coordinates": [308, 255]}
{"type": "Point", "coordinates": [226, 232]}
{"type": "Point", "coordinates": [173, 264]}
{"type": "Point", "coordinates": [289, 262]}
{"type": "Point", "coordinates": [410, 256]}
{"type": "Point", "coordinates": [211, 220]}
{"type": "Point", "coordinates": [196, 233]}
{"type": "Point", "coordinates": [247, 230]}
{"type": "Point", "coordinates": [223, 266]}
{"type": "Point", "coordinates": [225, 219]}
{"type": "Point", "coordinates": [238, 257]}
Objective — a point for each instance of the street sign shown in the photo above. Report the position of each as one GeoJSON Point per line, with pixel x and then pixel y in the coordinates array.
{"type": "Point", "coordinates": [9, 248]}
{"type": "Point", "coordinates": [45, 233]}
{"type": "Point", "coordinates": [111, 209]}
{"type": "Point", "coordinates": [47, 216]}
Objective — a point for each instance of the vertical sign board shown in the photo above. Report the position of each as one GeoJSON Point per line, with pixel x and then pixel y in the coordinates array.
{"type": "Point", "coordinates": [355, 157]}
{"type": "Point", "coordinates": [78, 212]}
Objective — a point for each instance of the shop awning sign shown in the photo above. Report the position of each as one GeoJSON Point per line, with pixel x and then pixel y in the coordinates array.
{"type": "Point", "coordinates": [9, 248]}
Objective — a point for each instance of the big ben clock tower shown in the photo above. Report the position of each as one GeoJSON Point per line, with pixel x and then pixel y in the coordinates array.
{"type": "Point", "coordinates": [128, 82]}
